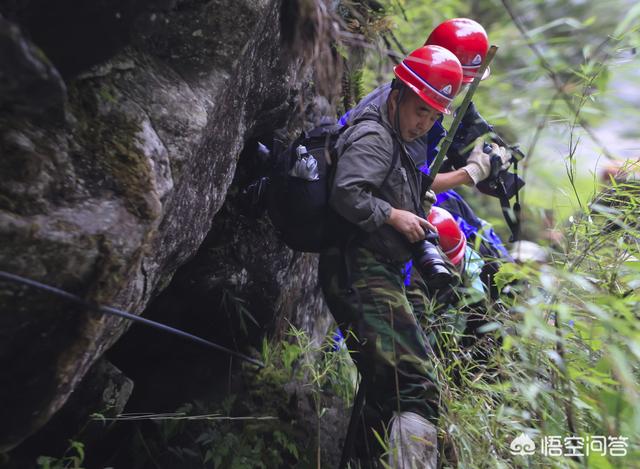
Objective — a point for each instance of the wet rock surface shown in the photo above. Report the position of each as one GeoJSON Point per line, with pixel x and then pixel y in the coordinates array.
{"type": "Point", "coordinates": [119, 142]}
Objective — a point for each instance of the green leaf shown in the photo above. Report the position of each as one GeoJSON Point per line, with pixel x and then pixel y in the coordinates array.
{"type": "Point", "coordinates": [508, 273]}
{"type": "Point", "coordinates": [598, 460]}
{"type": "Point", "coordinates": [630, 17]}
{"type": "Point", "coordinates": [44, 462]}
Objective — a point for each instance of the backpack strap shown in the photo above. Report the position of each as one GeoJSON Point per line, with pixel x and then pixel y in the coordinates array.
{"type": "Point", "coordinates": [394, 161]}
{"type": "Point", "coordinates": [396, 146]}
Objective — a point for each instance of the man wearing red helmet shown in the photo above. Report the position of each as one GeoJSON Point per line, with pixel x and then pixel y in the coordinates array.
{"type": "Point", "coordinates": [463, 317]}
{"type": "Point", "coordinates": [468, 40]}
{"type": "Point", "coordinates": [377, 188]}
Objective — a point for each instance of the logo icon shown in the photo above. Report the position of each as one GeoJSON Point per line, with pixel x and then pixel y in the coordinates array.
{"type": "Point", "coordinates": [477, 60]}
{"type": "Point", "coordinates": [446, 90]}
{"type": "Point", "coordinates": [522, 445]}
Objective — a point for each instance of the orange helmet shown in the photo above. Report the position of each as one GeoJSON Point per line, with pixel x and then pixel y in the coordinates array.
{"type": "Point", "coordinates": [468, 41]}
{"type": "Point", "coordinates": [452, 240]}
{"type": "Point", "coordinates": [434, 74]}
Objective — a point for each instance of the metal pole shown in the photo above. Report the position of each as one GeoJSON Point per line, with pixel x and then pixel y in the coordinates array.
{"type": "Point", "coordinates": [435, 166]}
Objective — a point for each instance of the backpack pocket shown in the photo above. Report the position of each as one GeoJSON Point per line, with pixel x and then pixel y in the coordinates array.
{"type": "Point", "coordinates": [306, 200]}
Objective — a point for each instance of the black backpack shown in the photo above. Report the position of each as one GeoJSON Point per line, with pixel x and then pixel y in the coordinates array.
{"type": "Point", "coordinates": [299, 208]}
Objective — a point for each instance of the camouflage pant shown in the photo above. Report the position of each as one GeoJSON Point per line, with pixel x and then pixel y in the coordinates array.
{"type": "Point", "coordinates": [390, 349]}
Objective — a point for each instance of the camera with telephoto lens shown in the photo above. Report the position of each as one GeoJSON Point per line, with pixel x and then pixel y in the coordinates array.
{"type": "Point", "coordinates": [500, 182]}
{"type": "Point", "coordinates": [428, 259]}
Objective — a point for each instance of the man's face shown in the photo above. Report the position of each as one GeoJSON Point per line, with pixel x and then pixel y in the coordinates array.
{"type": "Point", "coordinates": [416, 117]}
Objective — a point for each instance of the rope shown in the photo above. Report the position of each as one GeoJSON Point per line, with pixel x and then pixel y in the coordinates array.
{"type": "Point", "coordinates": [124, 314]}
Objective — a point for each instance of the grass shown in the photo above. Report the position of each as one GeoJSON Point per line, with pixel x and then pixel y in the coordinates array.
{"type": "Point", "coordinates": [569, 363]}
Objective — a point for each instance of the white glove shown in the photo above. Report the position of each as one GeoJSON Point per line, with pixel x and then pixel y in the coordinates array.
{"type": "Point", "coordinates": [503, 153]}
{"type": "Point", "coordinates": [479, 163]}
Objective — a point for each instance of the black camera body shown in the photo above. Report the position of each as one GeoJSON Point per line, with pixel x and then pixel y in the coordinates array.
{"type": "Point", "coordinates": [429, 261]}
{"type": "Point", "coordinates": [500, 183]}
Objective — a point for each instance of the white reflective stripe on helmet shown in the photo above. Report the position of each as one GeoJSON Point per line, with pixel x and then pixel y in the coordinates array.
{"type": "Point", "coordinates": [457, 246]}
{"type": "Point", "coordinates": [407, 68]}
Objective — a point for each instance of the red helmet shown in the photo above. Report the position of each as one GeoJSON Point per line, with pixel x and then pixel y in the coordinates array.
{"type": "Point", "coordinates": [452, 240]}
{"type": "Point", "coordinates": [467, 40]}
{"type": "Point", "coordinates": [434, 74]}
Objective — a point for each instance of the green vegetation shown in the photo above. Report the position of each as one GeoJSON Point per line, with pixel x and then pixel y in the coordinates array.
{"type": "Point", "coordinates": [73, 458]}
{"type": "Point", "coordinates": [569, 362]}
{"type": "Point", "coordinates": [277, 416]}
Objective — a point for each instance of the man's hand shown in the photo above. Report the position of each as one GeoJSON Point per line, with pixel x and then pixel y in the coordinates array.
{"type": "Point", "coordinates": [479, 163]}
{"type": "Point", "coordinates": [409, 224]}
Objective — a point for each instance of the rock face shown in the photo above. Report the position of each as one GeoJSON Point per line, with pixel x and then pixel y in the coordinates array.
{"type": "Point", "coordinates": [119, 140]}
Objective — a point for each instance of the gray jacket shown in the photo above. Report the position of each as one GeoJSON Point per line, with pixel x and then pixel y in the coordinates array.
{"type": "Point", "coordinates": [378, 97]}
{"type": "Point", "coordinates": [365, 154]}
